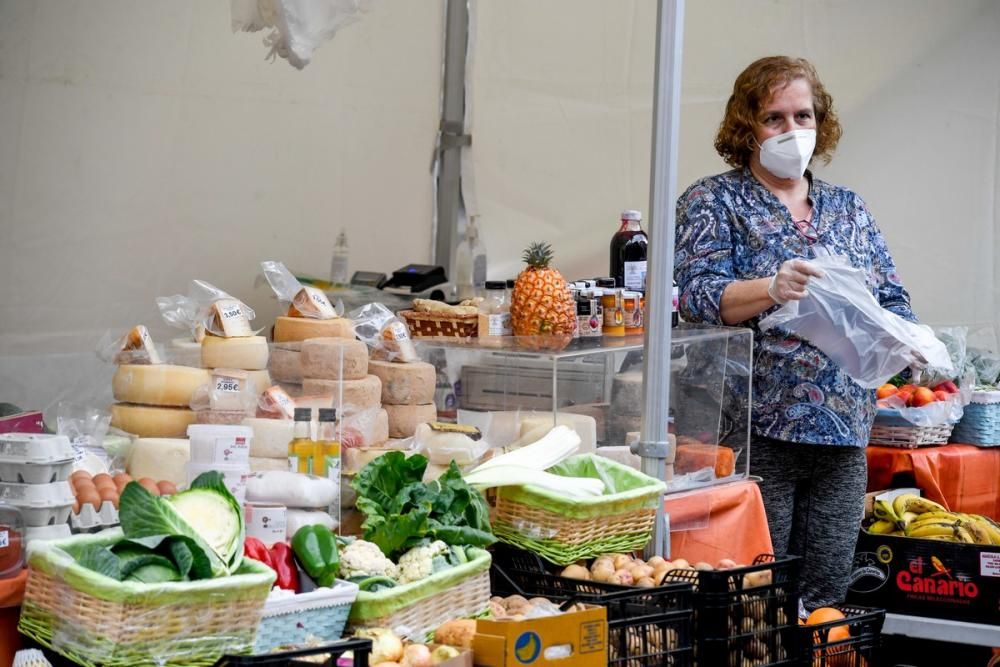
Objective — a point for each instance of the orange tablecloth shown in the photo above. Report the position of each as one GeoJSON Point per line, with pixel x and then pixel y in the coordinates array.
{"type": "Point", "coordinates": [962, 477]}
{"type": "Point", "coordinates": [718, 522]}
{"type": "Point", "coordinates": [11, 594]}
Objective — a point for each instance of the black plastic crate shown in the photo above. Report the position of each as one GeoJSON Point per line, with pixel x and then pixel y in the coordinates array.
{"type": "Point", "coordinates": [738, 624]}
{"type": "Point", "coordinates": [647, 627]}
{"type": "Point", "coordinates": [859, 649]}
{"type": "Point", "coordinates": [360, 649]}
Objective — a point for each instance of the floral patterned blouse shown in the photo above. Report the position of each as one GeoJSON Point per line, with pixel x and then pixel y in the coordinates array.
{"type": "Point", "coordinates": [730, 227]}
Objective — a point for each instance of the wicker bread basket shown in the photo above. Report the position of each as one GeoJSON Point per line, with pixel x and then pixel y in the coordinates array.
{"type": "Point", "coordinates": [437, 325]}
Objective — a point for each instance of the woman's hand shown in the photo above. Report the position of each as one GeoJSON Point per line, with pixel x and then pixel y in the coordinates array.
{"type": "Point", "coordinates": [789, 283]}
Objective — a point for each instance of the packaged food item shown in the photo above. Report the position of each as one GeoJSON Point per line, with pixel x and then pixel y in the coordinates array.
{"type": "Point", "coordinates": [207, 309]}
{"type": "Point", "coordinates": [229, 390]}
{"type": "Point", "coordinates": [291, 489]}
{"type": "Point", "coordinates": [385, 334]}
{"type": "Point", "coordinates": [494, 313]}
{"type": "Point", "coordinates": [300, 300]}
{"type": "Point", "coordinates": [443, 443]}
{"type": "Point", "coordinates": [212, 443]}
{"type": "Point", "coordinates": [134, 347]}
{"type": "Point", "coordinates": [275, 402]}
{"type": "Point", "coordinates": [267, 522]}
{"type": "Point", "coordinates": [12, 541]}
{"type": "Point", "coordinates": [632, 309]}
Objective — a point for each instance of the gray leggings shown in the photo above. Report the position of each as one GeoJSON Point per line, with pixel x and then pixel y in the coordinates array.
{"type": "Point", "coordinates": [814, 500]}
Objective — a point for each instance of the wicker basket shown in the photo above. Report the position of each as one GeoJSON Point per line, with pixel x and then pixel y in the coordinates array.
{"type": "Point", "coordinates": [980, 423]}
{"type": "Point", "coordinates": [94, 620]}
{"type": "Point", "coordinates": [440, 325]}
{"type": "Point", "coordinates": [910, 437]}
{"type": "Point", "coordinates": [294, 620]}
{"type": "Point", "coordinates": [564, 530]}
{"type": "Point", "coordinates": [414, 611]}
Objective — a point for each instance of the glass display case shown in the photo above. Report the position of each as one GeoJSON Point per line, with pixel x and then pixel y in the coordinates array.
{"type": "Point", "coordinates": [515, 393]}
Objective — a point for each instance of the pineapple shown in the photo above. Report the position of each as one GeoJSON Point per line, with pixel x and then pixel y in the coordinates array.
{"type": "Point", "coordinates": [541, 304]}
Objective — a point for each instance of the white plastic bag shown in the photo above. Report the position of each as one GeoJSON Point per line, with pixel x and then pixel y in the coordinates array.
{"type": "Point", "coordinates": [842, 318]}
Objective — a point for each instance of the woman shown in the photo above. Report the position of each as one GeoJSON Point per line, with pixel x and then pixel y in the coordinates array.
{"type": "Point", "coordinates": [744, 240]}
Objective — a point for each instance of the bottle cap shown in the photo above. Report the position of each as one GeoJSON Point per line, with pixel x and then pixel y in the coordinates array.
{"type": "Point", "coordinates": [328, 414]}
{"type": "Point", "coordinates": [303, 414]}
{"type": "Point", "coordinates": [606, 282]}
{"type": "Point", "coordinates": [632, 214]}
{"type": "Point", "coordinates": [496, 284]}
{"type": "Point", "coordinates": [510, 283]}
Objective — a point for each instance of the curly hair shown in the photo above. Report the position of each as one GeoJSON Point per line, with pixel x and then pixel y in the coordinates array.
{"type": "Point", "coordinates": [752, 91]}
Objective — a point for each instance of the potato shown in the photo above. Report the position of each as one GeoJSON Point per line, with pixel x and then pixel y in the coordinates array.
{"type": "Point", "coordinates": [645, 582]}
{"type": "Point", "coordinates": [517, 600]}
{"type": "Point", "coordinates": [604, 572]}
{"type": "Point", "coordinates": [623, 577]}
{"type": "Point", "coordinates": [726, 564]}
{"type": "Point", "coordinates": [497, 610]}
{"type": "Point", "coordinates": [576, 572]}
{"type": "Point", "coordinates": [702, 566]}
{"type": "Point", "coordinates": [641, 572]}
{"type": "Point", "coordinates": [681, 564]}
{"type": "Point", "coordinates": [601, 560]}
{"type": "Point", "coordinates": [622, 561]}
{"type": "Point", "coordinates": [755, 579]}
{"type": "Point", "coordinates": [457, 633]}
{"type": "Point", "coordinates": [655, 561]}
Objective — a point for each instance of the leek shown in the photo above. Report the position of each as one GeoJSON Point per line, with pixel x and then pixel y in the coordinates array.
{"type": "Point", "coordinates": [513, 475]}
{"type": "Point", "coordinates": [558, 444]}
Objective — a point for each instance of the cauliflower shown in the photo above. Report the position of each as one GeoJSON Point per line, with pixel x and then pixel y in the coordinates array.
{"type": "Point", "coordinates": [422, 561]}
{"type": "Point", "coordinates": [364, 559]}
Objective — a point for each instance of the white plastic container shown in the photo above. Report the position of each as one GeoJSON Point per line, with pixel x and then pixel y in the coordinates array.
{"type": "Point", "coordinates": [267, 522]}
{"type": "Point", "coordinates": [220, 443]}
{"type": "Point", "coordinates": [41, 504]}
{"type": "Point", "coordinates": [89, 518]}
{"type": "Point", "coordinates": [58, 531]}
{"type": "Point", "coordinates": [234, 475]}
{"type": "Point", "coordinates": [35, 473]}
{"type": "Point", "coordinates": [38, 448]}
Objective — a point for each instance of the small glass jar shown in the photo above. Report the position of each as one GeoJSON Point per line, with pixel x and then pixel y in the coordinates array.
{"type": "Point", "coordinates": [12, 541]}
{"type": "Point", "coordinates": [614, 312]}
{"type": "Point", "coordinates": [494, 312]}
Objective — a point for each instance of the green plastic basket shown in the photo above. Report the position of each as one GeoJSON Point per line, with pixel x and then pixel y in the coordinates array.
{"type": "Point", "coordinates": [564, 530]}
{"type": "Point", "coordinates": [415, 610]}
{"type": "Point", "coordinates": [95, 620]}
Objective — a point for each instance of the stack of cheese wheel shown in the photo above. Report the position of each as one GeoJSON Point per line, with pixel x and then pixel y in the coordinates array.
{"type": "Point", "coordinates": [154, 400]}
{"type": "Point", "coordinates": [407, 394]}
{"type": "Point", "coordinates": [289, 332]}
{"type": "Point", "coordinates": [228, 403]}
{"type": "Point", "coordinates": [338, 367]}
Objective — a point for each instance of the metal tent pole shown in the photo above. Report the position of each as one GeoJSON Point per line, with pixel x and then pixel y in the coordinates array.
{"type": "Point", "coordinates": [653, 441]}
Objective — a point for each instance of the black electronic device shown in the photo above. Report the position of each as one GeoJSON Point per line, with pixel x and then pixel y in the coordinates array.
{"type": "Point", "coordinates": [417, 280]}
{"type": "Point", "coordinates": [368, 278]}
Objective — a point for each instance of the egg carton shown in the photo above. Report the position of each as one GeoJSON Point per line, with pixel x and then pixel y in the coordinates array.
{"type": "Point", "coordinates": [91, 519]}
{"type": "Point", "coordinates": [38, 448]}
{"type": "Point", "coordinates": [42, 533]}
{"type": "Point", "coordinates": [40, 504]}
{"type": "Point", "coordinates": [35, 473]}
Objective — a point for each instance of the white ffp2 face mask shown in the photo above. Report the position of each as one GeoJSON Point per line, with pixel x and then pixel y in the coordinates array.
{"type": "Point", "coordinates": [787, 155]}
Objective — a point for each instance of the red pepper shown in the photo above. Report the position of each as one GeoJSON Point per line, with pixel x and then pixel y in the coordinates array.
{"type": "Point", "coordinates": [283, 562]}
{"type": "Point", "coordinates": [254, 548]}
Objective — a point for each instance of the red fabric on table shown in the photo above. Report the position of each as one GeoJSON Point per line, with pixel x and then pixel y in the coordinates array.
{"type": "Point", "coordinates": [962, 477]}
{"type": "Point", "coordinates": [726, 521]}
{"type": "Point", "coordinates": [11, 594]}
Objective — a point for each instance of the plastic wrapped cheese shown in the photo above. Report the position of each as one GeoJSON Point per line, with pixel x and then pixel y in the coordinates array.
{"type": "Point", "coordinates": [404, 419]}
{"type": "Point", "coordinates": [357, 394]}
{"type": "Point", "coordinates": [260, 464]}
{"type": "Point", "coordinates": [163, 384]}
{"type": "Point", "coordinates": [334, 359]}
{"type": "Point", "coordinates": [294, 329]}
{"type": "Point", "coordinates": [148, 421]}
{"type": "Point", "coordinates": [291, 489]}
{"type": "Point", "coordinates": [270, 437]}
{"type": "Point", "coordinates": [285, 363]}
{"type": "Point", "coordinates": [247, 353]}
{"type": "Point", "coordinates": [295, 519]}
{"type": "Point", "coordinates": [160, 459]}
{"type": "Point", "coordinates": [405, 384]}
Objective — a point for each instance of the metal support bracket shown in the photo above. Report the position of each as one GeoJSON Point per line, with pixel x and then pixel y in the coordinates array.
{"type": "Point", "coordinates": [651, 450]}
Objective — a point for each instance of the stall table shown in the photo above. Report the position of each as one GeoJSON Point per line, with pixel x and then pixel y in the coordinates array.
{"type": "Point", "coordinates": [717, 522]}
{"type": "Point", "coordinates": [962, 477]}
{"type": "Point", "coordinates": [11, 594]}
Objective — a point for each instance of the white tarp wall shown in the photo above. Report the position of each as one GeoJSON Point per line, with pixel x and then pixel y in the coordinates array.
{"type": "Point", "coordinates": [142, 145]}
{"type": "Point", "coordinates": [562, 106]}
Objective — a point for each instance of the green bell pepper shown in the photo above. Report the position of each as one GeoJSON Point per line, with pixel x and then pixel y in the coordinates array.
{"type": "Point", "coordinates": [315, 548]}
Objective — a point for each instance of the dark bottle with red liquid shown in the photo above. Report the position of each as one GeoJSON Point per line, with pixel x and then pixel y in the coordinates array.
{"type": "Point", "coordinates": [628, 253]}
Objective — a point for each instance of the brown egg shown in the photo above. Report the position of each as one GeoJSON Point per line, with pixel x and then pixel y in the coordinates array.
{"type": "Point", "coordinates": [149, 485]}
{"type": "Point", "coordinates": [79, 474]}
{"type": "Point", "coordinates": [76, 507]}
{"type": "Point", "coordinates": [166, 487]}
{"type": "Point", "coordinates": [109, 495]}
{"type": "Point", "coordinates": [84, 486]}
{"type": "Point", "coordinates": [102, 479]}
{"type": "Point", "coordinates": [121, 479]}
{"type": "Point", "coordinates": [89, 497]}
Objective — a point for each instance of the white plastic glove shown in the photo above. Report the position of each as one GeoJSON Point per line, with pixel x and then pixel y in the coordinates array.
{"type": "Point", "coordinates": [789, 283]}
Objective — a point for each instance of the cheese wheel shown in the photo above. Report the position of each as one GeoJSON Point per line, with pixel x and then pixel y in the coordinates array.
{"type": "Point", "coordinates": [404, 419]}
{"type": "Point", "coordinates": [151, 422]}
{"type": "Point", "coordinates": [357, 394]}
{"type": "Point", "coordinates": [184, 352]}
{"type": "Point", "coordinates": [293, 390]}
{"type": "Point", "coordinates": [261, 464]}
{"type": "Point", "coordinates": [163, 384]}
{"type": "Point", "coordinates": [160, 459]}
{"type": "Point", "coordinates": [246, 353]}
{"type": "Point", "coordinates": [261, 380]}
{"type": "Point", "coordinates": [321, 358]}
{"type": "Point", "coordinates": [270, 437]}
{"type": "Point", "coordinates": [285, 364]}
{"type": "Point", "coordinates": [405, 384]}
{"type": "Point", "coordinates": [227, 417]}
{"type": "Point", "coordinates": [292, 329]}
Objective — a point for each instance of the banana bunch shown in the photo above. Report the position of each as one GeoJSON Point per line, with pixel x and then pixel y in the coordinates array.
{"type": "Point", "coordinates": [909, 515]}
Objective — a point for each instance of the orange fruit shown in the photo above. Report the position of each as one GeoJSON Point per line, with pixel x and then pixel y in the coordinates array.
{"type": "Point", "coordinates": [885, 391]}
{"type": "Point", "coordinates": [824, 615]}
{"type": "Point", "coordinates": [942, 395]}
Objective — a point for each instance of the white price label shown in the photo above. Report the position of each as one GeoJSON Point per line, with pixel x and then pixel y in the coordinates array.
{"type": "Point", "coordinates": [233, 449]}
{"type": "Point", "coordinates": [81, 444]}
{"type": "Point", "coordinates": [227, 385]}
{"type": "Point", "coordinates": [989, 564]}
{"type": "Point", "coordinates": [635, 275]}
{"type": "Point", "coordinates": [499, 324]}
{"type": "Point", "coordinates": [293, 464]}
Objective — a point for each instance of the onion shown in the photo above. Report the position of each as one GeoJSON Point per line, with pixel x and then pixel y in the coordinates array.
{"type": "Point", "coordinates": [386, 646]}
{"type": "Point", "coordinates": [416, 655]}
